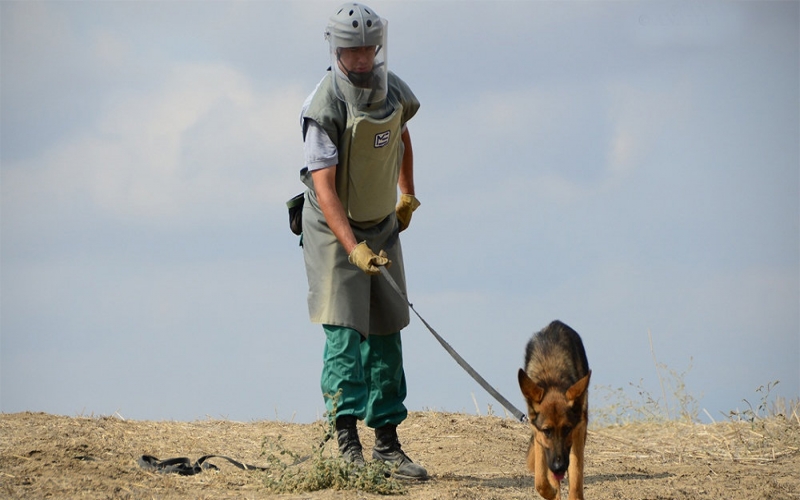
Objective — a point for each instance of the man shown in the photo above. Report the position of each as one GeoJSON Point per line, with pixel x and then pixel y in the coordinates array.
{"type": "Point", "coordinates": [358, 154]}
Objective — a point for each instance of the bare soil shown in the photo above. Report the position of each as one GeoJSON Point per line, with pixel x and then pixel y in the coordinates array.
{"type": "Point", "coordinates": [468, 457]}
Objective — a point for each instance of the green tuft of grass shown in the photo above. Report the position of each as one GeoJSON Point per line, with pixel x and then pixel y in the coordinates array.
{"type": "Point", "coordinates": [323, 468]}
{"type": "Point", "coordinates": [333, 473]}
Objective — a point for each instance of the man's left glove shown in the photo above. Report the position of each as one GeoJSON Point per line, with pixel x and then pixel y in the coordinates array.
{"type": "Point", "coordinates": [405, 207]}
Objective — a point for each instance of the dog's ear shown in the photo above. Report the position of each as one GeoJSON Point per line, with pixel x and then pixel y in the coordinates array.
{"type": "Point", "coordinates": [578, 388]}
{"type": "Point", "coordinates": [532, 392]}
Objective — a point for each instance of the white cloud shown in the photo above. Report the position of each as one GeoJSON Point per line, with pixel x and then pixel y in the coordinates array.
{"type": "Point", "coordinates": [637, 117]}
{"type": "Point", "coordinates": [203, 141]}
{"type": "Point", "coordinates": [111, 50]}
{"type": "Point", "coordinates": [32, 32]}
{"type": "Point", "coordinates": [569, 142]}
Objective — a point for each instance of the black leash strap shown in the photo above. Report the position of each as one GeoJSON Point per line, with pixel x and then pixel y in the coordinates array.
{"type": "Point", "coordinates": [185, 467]}
{"type": "Point", "coordinates": [461, 361]}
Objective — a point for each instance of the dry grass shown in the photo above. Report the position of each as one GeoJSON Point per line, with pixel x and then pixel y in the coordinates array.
{"type": "Point", "coordinates": [646, 452]}
{"type": "Point", "coordinates": [469, 457]}
{"type": "Point", "coordinates": [767, 442]}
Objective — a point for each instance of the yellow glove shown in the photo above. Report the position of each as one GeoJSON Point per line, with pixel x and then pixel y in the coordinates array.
{"type": "Point", "coordinates": [366, 260]}
{"type": "Point", "coordinates": [408, 203]}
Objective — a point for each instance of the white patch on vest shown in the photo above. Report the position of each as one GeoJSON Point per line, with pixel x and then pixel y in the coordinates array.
{"type": "Point", "coordinates": [382, 139]}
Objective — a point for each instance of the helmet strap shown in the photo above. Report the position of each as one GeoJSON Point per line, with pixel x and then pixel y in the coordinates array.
{"type": "Point", "coordinates": [361, 80]}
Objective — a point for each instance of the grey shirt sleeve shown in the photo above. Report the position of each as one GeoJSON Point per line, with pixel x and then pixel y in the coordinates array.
{"type": "Point", "coordinates": [319, 151]}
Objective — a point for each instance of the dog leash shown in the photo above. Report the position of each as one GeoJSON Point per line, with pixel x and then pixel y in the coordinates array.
{"type": "Point", "coordinates": [185, 467]}
{"type": "Point", "coordinates": [461, 361]}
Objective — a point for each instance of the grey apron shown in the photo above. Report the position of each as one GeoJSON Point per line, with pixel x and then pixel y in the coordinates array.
{"type": "Point", "coordinates": [339, 293]}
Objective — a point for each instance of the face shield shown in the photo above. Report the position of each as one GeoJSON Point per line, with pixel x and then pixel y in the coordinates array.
{"type": "Point", "coordinates": [357, 39]}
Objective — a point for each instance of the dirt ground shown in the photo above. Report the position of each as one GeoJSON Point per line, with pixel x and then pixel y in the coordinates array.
{"type": "Point", "coordinates": [468, 457]}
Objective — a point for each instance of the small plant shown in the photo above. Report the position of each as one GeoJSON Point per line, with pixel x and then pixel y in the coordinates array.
{"type": "Point", "coordinates": [769, 425]}
{"type": "Point", "coordinates": [323, 468]}
{"type": "Point", "coordinates": [752, 414]}
{"type": "Point", "coordinates": [675, 403]}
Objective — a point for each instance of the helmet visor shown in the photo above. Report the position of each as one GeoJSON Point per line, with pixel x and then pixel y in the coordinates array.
{"type": "Point", "coordinates": [358, 60]}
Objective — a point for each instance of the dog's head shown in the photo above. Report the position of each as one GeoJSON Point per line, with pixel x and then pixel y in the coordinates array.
{"type": "Point", "coordinates": [554, 414]}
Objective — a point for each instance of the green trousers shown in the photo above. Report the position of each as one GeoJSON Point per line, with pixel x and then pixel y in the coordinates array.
{"type": "Point", "coordinates": [369, 372]}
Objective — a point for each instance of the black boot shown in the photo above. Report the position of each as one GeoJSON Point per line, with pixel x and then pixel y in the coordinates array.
{"type": "Point", "coordinates": [347, 436]}
{"type": "Point", "coordinates": [387, 449]}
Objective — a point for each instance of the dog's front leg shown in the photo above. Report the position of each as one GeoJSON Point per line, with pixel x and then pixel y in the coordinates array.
{"type": "Point", "coordinates": [543, 478]}
{"type": "Point", "coordinates": [576, 463]}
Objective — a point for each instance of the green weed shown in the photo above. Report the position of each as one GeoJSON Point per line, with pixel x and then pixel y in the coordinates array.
{"type": "Point", "coordinates": [323, 468]}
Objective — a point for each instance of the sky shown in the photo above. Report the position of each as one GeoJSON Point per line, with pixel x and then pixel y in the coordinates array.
{"type": "Point", "coordinates": [632, 169]}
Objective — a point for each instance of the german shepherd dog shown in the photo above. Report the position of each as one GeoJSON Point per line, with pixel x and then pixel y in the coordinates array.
{"type": "Point", "coordinates": [555, 384]}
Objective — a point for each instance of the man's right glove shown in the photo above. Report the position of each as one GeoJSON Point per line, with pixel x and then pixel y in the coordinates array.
{"type": "Point", "coordinates": [366, 260]}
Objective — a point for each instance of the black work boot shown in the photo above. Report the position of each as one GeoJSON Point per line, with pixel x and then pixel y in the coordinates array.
{"type": "Point", "coordinates": [347, 436]}
{"type": "Point", "coordinates": [387, 449]}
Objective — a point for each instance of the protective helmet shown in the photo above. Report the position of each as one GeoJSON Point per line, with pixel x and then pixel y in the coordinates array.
{"type": "Point", "coordinates": [355, 25]}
